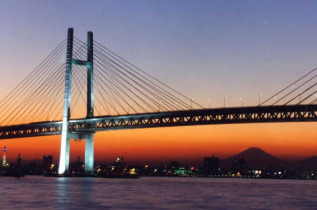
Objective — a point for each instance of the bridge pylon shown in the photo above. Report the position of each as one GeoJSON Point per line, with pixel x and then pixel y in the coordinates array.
{"type": "Point", "coordinates": [66, 134]}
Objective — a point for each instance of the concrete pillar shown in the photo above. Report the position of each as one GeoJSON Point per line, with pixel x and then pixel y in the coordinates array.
{"type": "Point", "coordinates": [67, 155]}
{"type": "Point", "coordinates": [89, 155]}
{"type": "Point", "coordinates": [90, 75]}
{"type": "Point", "coordinates": [64, 154]}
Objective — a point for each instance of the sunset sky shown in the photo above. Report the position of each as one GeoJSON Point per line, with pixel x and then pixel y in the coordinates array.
{"type": "Point", "coordinates": [204, 49]}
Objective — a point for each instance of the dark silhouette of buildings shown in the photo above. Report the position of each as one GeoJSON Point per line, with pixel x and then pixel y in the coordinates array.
{"type": "Point", "coordinates": [77, 168]}
{"type": "Point", "coordinates": [236, 166]}
{"type": "Point", "coordinates": [174, 166]}
{"type": "Point", "coordinates": [239, 165]}
{"type": "Point", "coordinates": [48, 165]}
{"type": "Point", "coordinates": [211, 165]}
{"type": "Point", "coordinates": [19, 172]}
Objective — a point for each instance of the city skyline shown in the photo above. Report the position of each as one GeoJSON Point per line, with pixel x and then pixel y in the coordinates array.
{"type": "Point", "coordinates": [216, 59]}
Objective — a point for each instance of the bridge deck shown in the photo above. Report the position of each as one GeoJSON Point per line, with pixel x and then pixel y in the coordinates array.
{"type": "Point", "coordinates": [257, 114]}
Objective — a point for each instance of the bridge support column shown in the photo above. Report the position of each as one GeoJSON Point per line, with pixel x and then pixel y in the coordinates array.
{"type": "Point", "coordinates": [89, 144]}
{"type": "Point", "coordinates": [89, 155]}
{"type": "Point", "coordinates": [67, 155]}
{"type": "Point", "coordinates": [64, 155]}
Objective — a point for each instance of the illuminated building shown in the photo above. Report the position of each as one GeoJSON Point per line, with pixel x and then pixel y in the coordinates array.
{"type": "Point", "coordinates": [183, 171]}
{"type": "Point", "coordinates": [174, 166]}
{"type": "Point", "coordinates": [4, 159]}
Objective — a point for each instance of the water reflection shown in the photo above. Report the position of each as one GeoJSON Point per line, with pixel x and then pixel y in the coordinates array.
{"type": "Point", "coordinates": [156, 192]}
{"type": "Point", "coordinates": [62, 191]}
{"type": "Point", "coordinates": [75, 191]}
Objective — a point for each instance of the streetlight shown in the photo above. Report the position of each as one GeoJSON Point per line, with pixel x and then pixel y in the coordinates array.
{"type": "Point", "coordinates": [260, 94]}
{"type": "Point", "coordinates": [209, 103]}
{"type": "Point", "coordinates": [241, 100]}
{"type": "Point", "coordinates": [191, 103]}
{"type": "Point", "coordinates": [224, 101]}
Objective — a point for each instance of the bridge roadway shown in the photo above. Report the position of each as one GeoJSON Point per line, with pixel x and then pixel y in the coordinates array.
{"type": "Point", "coordinates": [256, 114]}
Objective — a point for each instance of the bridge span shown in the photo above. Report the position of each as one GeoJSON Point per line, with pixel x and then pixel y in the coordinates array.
{"type": "Point", "coordinates": [256, 114]}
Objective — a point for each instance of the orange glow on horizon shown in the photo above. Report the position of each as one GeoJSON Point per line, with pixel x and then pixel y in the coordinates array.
{"type": "Point", "coordinates": [186, 144]}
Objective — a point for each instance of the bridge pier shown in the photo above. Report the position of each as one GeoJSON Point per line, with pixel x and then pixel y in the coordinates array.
{"type": "Point", "coordinates": [89, 155]}
{"type": "Point", "coordinates": [67, 155]}
{"type": "Point", "coordinates": [89, 151]}
{"type": "Point", "coordinates": [64, 155]}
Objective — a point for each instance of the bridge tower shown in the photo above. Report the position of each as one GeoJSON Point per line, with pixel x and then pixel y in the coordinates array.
{"type": "Point", "coordinates": [66, 134]}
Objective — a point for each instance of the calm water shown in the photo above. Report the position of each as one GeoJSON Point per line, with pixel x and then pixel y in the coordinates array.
{"type": "Point", "coordinates": [147, 193]}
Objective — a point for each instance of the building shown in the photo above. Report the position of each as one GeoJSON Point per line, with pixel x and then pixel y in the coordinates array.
{"type": "Point", "coordinates": [239, 165]}
{"type": "Point", "coordinates": [174, 165]}
{"type": "Point", "coordinates": [19, 172]}
{"type": "Point", "coordinates": [4, 159]}
{"type": "Point", "coordinates": [47, 164]}
{"type": "Point", "coordinates": [211, 165]}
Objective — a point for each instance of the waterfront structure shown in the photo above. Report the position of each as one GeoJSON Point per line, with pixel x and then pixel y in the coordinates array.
{"type": "Point", "coordinates": [4, 157]}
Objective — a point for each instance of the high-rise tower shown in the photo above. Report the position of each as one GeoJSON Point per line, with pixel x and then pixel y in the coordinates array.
{"type": "Point", "coordinates": [4, 159]}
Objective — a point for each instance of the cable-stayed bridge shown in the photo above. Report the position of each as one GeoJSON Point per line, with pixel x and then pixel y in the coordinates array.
{"type": "Point", "coordinates": [97, 90]}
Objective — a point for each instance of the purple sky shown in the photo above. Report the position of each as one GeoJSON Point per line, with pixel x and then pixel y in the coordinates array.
{"type": "Point", "coordinates": [205, 49]}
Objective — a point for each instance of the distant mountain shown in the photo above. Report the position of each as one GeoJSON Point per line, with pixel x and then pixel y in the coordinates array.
{"type": "Point", "coordinates": [307, 164]}
{"type": "Point", "coordinates": [255, 158]}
